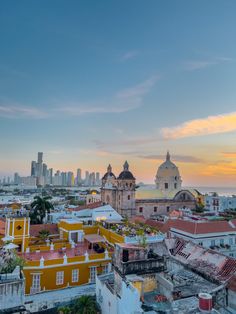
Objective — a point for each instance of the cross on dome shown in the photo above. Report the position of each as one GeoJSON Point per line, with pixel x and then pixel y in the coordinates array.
{"type": "Point", "coordinates": [126, 166]}
{"type": "Point", "coordinates": [168, 156]}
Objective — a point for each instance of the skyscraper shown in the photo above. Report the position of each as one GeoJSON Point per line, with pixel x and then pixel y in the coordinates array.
{"type": "Point", "coordinates": [79, 177]}
{"type": "Point", "coordinates": [33, 168]}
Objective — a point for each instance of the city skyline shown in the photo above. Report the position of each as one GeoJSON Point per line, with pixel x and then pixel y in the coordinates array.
{"type": "Point", "coordinates": [98, 86]}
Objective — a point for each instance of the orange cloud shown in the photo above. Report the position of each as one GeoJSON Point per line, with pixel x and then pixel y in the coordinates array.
{"type": "Point", "coordinates": [229, 154]}
{"type": "Point", "coordinates": [211, 125]}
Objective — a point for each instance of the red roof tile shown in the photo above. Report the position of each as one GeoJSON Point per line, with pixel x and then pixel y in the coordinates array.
{"type": "Point", "coordinates": [194, 227]}
{"type": "Point", "coordinates": [232, 283]}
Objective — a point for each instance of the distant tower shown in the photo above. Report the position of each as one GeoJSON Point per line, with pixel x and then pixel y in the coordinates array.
{"type": "Point", "coordinates": [109, 188]}
{"type": "Point", "coordinates": [126, 192]}
{"type": "Point", "coordinates": [168, 178]}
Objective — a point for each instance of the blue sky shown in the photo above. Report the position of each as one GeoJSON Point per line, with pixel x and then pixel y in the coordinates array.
{"type": "Point", "coordinates": [92, 82]}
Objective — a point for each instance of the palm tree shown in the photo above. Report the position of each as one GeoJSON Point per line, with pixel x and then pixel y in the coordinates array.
{"type": "Point", "coordinates": [86, 304]}
{"type": "Point", "coordinates": [44, 234]}
{"type": "Point", "coordinates": [38, 209]}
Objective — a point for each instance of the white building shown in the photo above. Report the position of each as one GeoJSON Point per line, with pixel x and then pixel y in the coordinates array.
{"type": "Point", "coordinates": [217, 235]}
{"type": "Point", "coordinates": [217, 203]}
{"type": "Point", "coordinates": [12, 291]}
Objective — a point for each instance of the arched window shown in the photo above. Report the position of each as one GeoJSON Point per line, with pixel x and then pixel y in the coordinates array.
{"type": "Point", "coordinates": [128, 197]}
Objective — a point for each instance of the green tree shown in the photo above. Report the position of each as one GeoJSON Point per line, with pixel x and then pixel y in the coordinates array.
{"type": "Point", "coordinates": [38, 209]}
{"type": "Point", "coordinates": [11, 264]}
{"type": "Point", "coordinates": [85, 305]}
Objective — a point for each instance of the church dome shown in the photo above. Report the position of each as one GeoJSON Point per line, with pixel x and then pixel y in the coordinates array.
{"type": "Point", "coordinates": [168, 177]}
{"type": "Point", "coordinates": [109, 174]}
{"type": "Point", "coordinates": [126, 174]}
{"type": "Point", "coordinates": [168, 168]}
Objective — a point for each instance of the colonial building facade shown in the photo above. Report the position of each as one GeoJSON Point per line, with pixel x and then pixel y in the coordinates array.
{"type": "Point", "coordinates": [123, 195]}
{"type": "Point", "coordinates": [119, 192]}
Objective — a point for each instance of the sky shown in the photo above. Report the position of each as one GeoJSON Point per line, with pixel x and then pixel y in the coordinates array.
{"type": "Point", "coordinates": [96, 82]}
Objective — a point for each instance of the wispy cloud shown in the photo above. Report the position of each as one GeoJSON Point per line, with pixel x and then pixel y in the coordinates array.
{"type": "Point", "coordinates": [129, 55]}
{"type": "Point", "coordinates": [211, 125]}
{"type": "Point", "coordinates": [20, 112]}
{"type": "Point", "coordinates": [178, 158]}
{"type": "Point", "coordinates": [123, 101]}
{"type": "Point", "coordinates": [192, 65]}
{"type": "Point", "coordinates": [79, 110]}
{"type": "Point", "coordinates": [138, 90]}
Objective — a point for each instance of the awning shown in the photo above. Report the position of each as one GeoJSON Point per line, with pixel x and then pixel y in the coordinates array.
{"type": "Point", "coordinates": [94, 238]}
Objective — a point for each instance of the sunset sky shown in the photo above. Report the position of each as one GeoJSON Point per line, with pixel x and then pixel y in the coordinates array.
{"type": "Point", "coordinates": [97, 82]}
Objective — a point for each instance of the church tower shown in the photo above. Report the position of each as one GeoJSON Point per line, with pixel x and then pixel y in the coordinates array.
{"type": "Point", "coordinates": [108, 188]}
{"type": "Point", "coordinates": [126, 192]}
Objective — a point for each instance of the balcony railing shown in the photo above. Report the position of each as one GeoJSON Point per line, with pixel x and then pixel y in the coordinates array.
{"type": "Point", "coordinates": [142, 266]}
{"type": "Point", "coordinates": [148, 239]}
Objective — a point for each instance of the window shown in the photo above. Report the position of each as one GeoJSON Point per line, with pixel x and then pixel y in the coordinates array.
{"type": "Point", "coordinates": [105, 269]}
{"type": "Point", "coordinates": [231, 241]}
{"type": "Point", "coordinates": [75, 275]}
{"type": "Point", "coordinates": [222, 241]}
{"type": "Point", "coordinates": [168, 209]}
{"type": "Point", "coordinates": [166, 186]}
{"type": "Point", "coordinates": [213, 242]}
{"type": "Point", "coordinates": [128, 197]}
{"type": "Point", "coordinates": [155, 209]}
{"type": "Point", "coordinates": [35, 283]}
{"type": "Point", "coordinates": [93, 272]}
{"type": "Point", "coordinates": [60, 278]}
{"type": "Point", "coordinates": [200, 243]}
{"type": "Point", "coordinates": [175, 185]}
{"type": "Point", "coordinates": [140, 209]}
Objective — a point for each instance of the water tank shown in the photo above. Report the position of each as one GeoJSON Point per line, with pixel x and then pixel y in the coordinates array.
{"type": "Point", "coordinates": [205, 302]}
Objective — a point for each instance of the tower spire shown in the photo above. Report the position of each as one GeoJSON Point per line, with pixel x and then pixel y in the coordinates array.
{"type": "Point", "coordinates": [126, 166]}
{"type": "Point", "coordinates": [109, 169]}
{"type": "Point", "coordinates": [168, 156]}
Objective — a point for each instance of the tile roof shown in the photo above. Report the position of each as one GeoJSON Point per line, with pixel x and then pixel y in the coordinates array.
{"type": "Point", "coordinates": [194, 227]}
{"type": "Point", "coordinates": [208, 262]}
{"type": "Point", "coordinates": [232, 283]}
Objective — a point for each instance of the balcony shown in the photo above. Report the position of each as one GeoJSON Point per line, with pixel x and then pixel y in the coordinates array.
{"type": "Point", "coordinates": [139, 267]}
{"type": "Point", "coordinates": [148, 239]}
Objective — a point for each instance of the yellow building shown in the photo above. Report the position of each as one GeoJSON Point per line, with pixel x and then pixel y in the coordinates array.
{"type": "Point", "coordinates": [72, 255]}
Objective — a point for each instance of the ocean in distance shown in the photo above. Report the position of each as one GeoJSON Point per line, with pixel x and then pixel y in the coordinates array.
{"type": "Point", "coordinates": [226, 191]}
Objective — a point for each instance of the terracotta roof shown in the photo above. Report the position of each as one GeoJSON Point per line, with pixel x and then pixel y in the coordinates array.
{"type": "Point", "coordinates": [138, 219]}
{"type": "Point", "coordinates": [52, 228]}
{"type": "Point", "coordinates": [232, 283]}
{"type": "Point", "coordinates": [209, 262]}
{"type": "Point", "coordinates": [194, 227]}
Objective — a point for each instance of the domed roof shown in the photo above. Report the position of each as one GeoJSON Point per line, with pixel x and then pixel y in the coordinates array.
{"type": "Point", "coordinates": [168, 168]}
{"type": "Point", "coordinates": [109, 173]}
{"type": "Point", "coordinates": [126, 174]}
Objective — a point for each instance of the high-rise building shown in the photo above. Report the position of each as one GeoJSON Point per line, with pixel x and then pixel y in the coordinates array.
{"type": "Point", "coordinates": [92, 179]}
{"type": "Point", "coordinates": [64, 178]}
{"type": "Point", "coordinates": [86, 181]}
{"type": "Point", "coordinates": [33, 168]}
{"type": "Point", "coordinates": [79, 177]}
{"type": "Point", "coordinates": [50, 175]}
{"type": "Point", "coordinates": [16, 178]}
{"type": "Point", "coordinates": [97, 179]}
{"type": "Point", "coordinates": [40, 157]}
{"type": "Point", "coordinates": [70, 178]}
